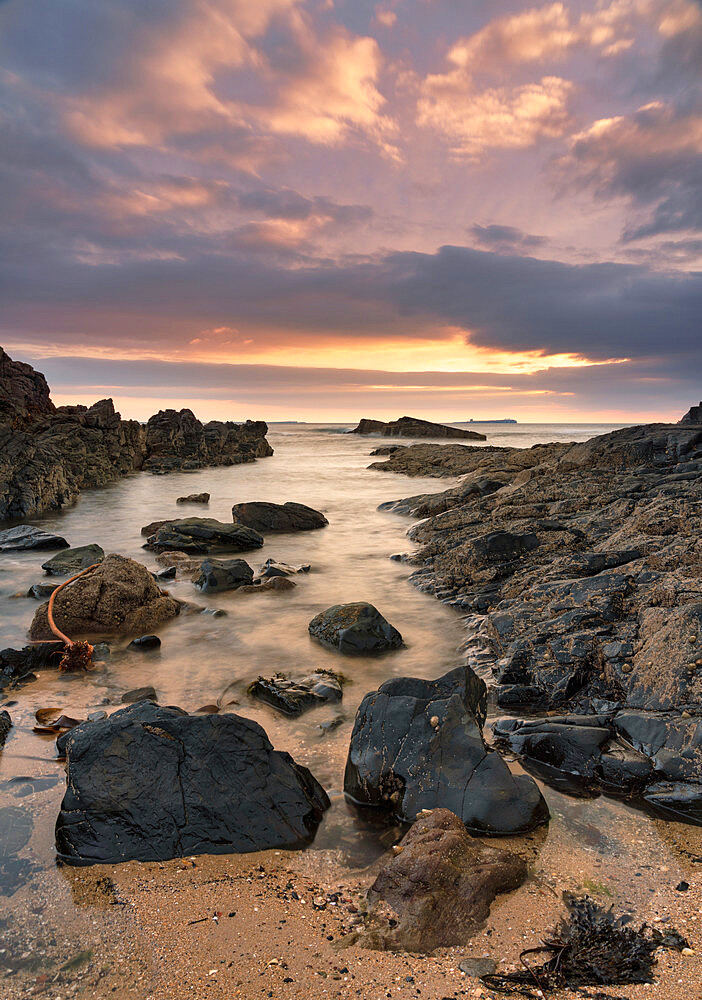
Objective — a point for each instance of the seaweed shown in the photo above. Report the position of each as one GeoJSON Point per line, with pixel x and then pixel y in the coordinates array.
{"type": "Point", "coordinates": [590, 947]}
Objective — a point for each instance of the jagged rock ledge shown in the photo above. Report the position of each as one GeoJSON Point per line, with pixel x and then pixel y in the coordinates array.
{"type": "Point", "coordinates": [579, 569]}
{"type": "Point", "coordinates": [48, 454]}
{"type": "Point", "coordinates": [415, 427]}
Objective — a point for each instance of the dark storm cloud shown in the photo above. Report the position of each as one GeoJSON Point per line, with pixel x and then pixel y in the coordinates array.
{"type": "Point", "coordinates": [506, 238]}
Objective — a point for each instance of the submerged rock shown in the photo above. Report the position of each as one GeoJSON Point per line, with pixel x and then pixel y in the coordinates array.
{"type": "Point", "coordinates": [272, 567]}
{"type": "Point", "coordinates": [267, 517]}
{"type": "Point", "coordinates": [27, 536]}
{"type": "Point", "coordinates": [355, 628]}
{"type": "Point", "coordinates": [439, 885]}
{"type": "Point", "coordinates": [201, 535]}
{"type": "Point", "coordinates": [414, 427]}
{"type": "Point", "coordinates": [194, 498]}
{"type": "Point", "coordinates": [277, 583]}
{"type": "Point", "coordinates": [223, 574]}
{"type": "Point", "coordinates": [119, 597]}
{"type": "Point", "coordinates": [152, 783]}
{"type": "Point", "coordinates": [72, 561]}
{"type": "Point", "coordinates": [5, 726]}
{"type": "Point", "coordinates": [418, 744]}
{"type": "Point", "coordinates": [293, 697]}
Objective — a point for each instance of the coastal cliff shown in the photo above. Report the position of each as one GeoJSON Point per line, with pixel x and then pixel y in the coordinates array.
{"type": "Point", "coordinates": [48, 454]}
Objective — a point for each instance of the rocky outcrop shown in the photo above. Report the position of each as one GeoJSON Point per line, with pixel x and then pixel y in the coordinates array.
{"type": "Point", "coordinates": [176, 439]}
{"type": "Point", "coordinates": [415, 427]}
{"type": "Point", "coordinates": [441, 460]}
{"type": "Point", "coordinates": [579, 568]}
{"type": "Point", "coordinates": [18, 665]}
{"type": "Point", "coordinates": [693, 416]}
{"type": "Point", "coordinates": [437, 890]}
{"type": "Point", "coordinates": [49, 454]}
{"type": "Point", "coordinates": [152, 783]}
{"type": "Point", "coordinates": [118, 597]}
{"type": "Point", "coordinates": [355, 628]}
{"type": "Point", "coordinates": [194, 498]}
{"type": "Point", "coordinates": [271, 517]}
{"type": "Point", "coordinates": [193, 535]}
{"type": "Point", "coordinates": [418, 745]}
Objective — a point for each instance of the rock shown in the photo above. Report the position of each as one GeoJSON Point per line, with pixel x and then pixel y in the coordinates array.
{"type": "Point", "coordinates": [19, 664]}
{"type": "Point", "coordinates": [414, 427]}
{"type": "Point", "coordinates": [139, 694]}
{"type": "Point", "coordinates": [40, 591]}
{"type": "Point", "coordinates": [268, 517]}
{"type": "Point", "coordinates": [223, 574]}
{"type": "Point", "coordinates": [693, 416]}
{"type": "Point", "coordinates": [438, 460]}
{"type": "Point", "coordinates": [167, 574]}
{"type": "Point", "coordinates": [119, 597]}
{"type": "Point", "coordinates": [27, 536]}
{"type": "Point", "coordinates": [144, 643]}
{"type": "Point", "coordinates": [5, 726]}
{"type": "Point", "coordinates": [72, 561]}
{"type": "Point", "coordinates": [272, 567]}
{"type": "Point", "coordinates": [201, 535]}
{"type": "Point", "coordinates": [152, 783]}
{"type": "Point", "coordinates": [440, 885]}
{"type": "Point", "coordinates": [195, 498]}
{"type": "Point", "coordinates": [293, 697]}
{"type": "Point", "coordinates": [277, 583]}
{"type": "Point", "coordinates": [355, 628]}
{"type": "Point", "coordinates": [400, 762]}
{"type": "Point", "coordinates": [177, 440]}
{"type": "Point", "coordinates": [387, 449]}
{"type": "Point", "coordinates": [183, 563]}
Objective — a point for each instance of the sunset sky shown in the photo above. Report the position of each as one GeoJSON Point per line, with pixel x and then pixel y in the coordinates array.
{"type": "Point", "coordinates": [332, 209]}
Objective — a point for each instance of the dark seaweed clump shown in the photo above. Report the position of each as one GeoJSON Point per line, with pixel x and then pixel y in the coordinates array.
{"type": "Point", "coordinates": [590, 947]}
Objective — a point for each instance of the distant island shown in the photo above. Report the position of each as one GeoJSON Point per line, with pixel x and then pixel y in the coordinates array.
{"type": "Point", "coordinates": [505, 420]}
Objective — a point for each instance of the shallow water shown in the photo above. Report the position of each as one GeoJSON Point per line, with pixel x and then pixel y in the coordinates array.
{"type": "Point", "coordinates": [261, 633]}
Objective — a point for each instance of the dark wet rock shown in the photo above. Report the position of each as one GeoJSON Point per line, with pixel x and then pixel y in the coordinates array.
{"type": "Point", "coordinates": [223, 574]}
{"type": "Point", "coordinates": [27, 536]}
{"type": "Point", "coordinates": [41, 591]}
{"type": "Point", "coordinates": [177, 440]}
{"type": "Point", "coordinates": [270, 517]}
{"type": "Point", "coordinates": [5, 726]}
{"type": "Point", "coordinates": [439, 885]}
{"type": "Point", "coordinates": [272, 567]}
{"type": "Point", "coordinates": [414, 427]}
{"type": "Point", "coordinates": [294, 696]}
{"type": "Point", "coordinates": [439, 461]}
{"type": "Point", "coordinates": [19, 664]}
{"type": "Point", "coordinates": [152, 783]}
{"type": "Point", "coordinates": [72, 561]}
{"type": "Point", "coordinates": [145, 642]}
{"type": "Point", "coordinates": [147, 693]}
{"type": "Point", "coordinates": [194, 498]}
{"type": "Point", "coordinates": [276, 583]}
{"type": "Point", "coordinates": [119, 597]}
{"type": "Point", "coordinates": [355, 628]}
{"type": "Point", "coordinates": [167, 574]}
{"type": "Point", "coordinates": [202, 535]}
{"type": "Point", "coordinates": [386, 450]}
{"type": "Point", "coordinates": [418, 745]}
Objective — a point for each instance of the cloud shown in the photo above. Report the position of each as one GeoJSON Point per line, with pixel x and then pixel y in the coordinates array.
{"type": "Point", "coordinates": [287, 204]}
{"type": "Point", "coordinates": [503, 238]}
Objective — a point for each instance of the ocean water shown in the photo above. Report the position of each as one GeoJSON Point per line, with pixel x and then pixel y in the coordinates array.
{"type": "Point", "coordinates": [260, 634]}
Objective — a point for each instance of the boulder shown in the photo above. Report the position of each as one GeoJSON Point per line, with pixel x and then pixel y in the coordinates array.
{"type": "Point", "coordinates": [144, 643]}
{"type": "Point", "coordinates": [293, 697]}
{"type": "Point", "coordinates": [223, 574]}
{"type": "Point", "coordinates": [418, 744]}
{"type": "Point", "coordinates": [151, 783]}
{"type": "Point", "coordinates": [27, 536]}
{"type": "Point", "coordinates": [201, 535]}
{"type": "Point", "coordinates": [72, 561]}
{"type": "Point", "coordinates": [119, 597]}
{"type": "Point", "coordinates": [19, 664]}
{"type": "Point", "coordinates": [40, 591]}
{"type": "Point", "coordinates": [269, 517]}
{"type": "Point", "coordinates": [439, 886]}
{"type": "Point", "coordinates": [415, 427]}
{"type": "Point", "coordinates": [139, 694]}
{"type": "Point", "coordinates": [272, 567]}
{"type": "Point", "coordinates": [195, 498]}
{"type": "Point", "coordinates": [355, 628]}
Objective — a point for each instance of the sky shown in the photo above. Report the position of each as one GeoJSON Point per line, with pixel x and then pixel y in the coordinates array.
{"type": "Point", "coordinates": [329, 209]}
